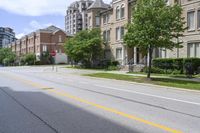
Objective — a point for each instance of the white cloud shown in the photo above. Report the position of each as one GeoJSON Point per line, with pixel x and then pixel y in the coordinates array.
{"type": "Point", "coordinates": [33, 26]}
{"type": "Point", "coordinates": [20, 35]}
{"type": "Point", "coordinates": [37, 7]}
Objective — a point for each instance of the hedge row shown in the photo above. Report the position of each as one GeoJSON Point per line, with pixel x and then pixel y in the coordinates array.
{"type": "Point", "coordinates": [179, 64]}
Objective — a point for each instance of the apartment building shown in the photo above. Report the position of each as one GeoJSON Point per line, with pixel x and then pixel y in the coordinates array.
{"type": "Point", "coordinates": [191, 39]}
{"type": "Point", "coordinates": [43, 40]}
{"type": "Point", "coordinates": [114, 18]}
{"type": "Point", "coordinates": [76, 16]}
{"type": "Point", "coordinates": [7, 35]}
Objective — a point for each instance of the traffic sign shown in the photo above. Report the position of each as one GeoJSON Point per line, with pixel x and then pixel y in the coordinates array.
{"type": "Point", "coordinates": [53, 53]}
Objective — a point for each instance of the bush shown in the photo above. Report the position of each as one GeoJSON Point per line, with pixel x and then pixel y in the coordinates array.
{"type": "Point", "coordinates": [154, 70]}
{"type": "Point", "coordinates": [28, 59]}
{"type": "Point", "coordinates": [107, 63]}
{"type": "Point", "coordinates": [194, 62]}
{"type": "Point", "coordinates": [177, 64]}
{"type": "Point", "coordinates": [110, 68]}
{"type": "Point", "coordinates": [114, 63]}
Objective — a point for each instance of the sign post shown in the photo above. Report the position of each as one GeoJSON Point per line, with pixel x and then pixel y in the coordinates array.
{"type": "Point", "coordinates": [53, 54]}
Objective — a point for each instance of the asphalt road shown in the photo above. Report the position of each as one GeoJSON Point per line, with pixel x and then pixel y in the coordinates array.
{"type": "Point", "coordinates": [39, 100]}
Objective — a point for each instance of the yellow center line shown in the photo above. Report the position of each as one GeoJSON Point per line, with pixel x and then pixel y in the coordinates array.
{"type": "Point", "coordinates": [111, 110]}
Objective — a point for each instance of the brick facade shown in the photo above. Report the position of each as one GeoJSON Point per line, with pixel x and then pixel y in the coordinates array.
{"type": "Point", "coordinates": [43, 40]}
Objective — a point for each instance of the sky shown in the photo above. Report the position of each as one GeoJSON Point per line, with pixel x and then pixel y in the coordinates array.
{"type": "Point", "coordinates": [25, 16]}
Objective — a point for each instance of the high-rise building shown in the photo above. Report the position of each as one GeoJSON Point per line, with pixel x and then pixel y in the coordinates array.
{"type": "Point", "coordinates": [76, 16]}
{"type": "Point", "coordinates": [6, 36]}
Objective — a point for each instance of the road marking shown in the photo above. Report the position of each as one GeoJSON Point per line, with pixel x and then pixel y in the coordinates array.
{"type": "Point", "coordinates": [146, 94]}
{"type": "Point", "coordinates": [83, 82]}
{"type": "Point", "coordinates": [111, 110]}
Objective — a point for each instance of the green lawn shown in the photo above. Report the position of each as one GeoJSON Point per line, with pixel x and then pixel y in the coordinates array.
{"type": "Point", "coordinates": [156, 81]}
{"type": "Point", "coordinates": [166, 75]}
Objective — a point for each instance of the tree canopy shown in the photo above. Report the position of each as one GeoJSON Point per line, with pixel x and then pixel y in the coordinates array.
{"type": "Point", "coordinates": [154, 25]}
{"type": "Point", "coordinates": [7, 56]}
{"type": "Point", "coordinates": [85, 47]}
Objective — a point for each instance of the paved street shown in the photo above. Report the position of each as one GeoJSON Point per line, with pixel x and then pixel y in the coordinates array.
{"type": "Point", "coordinates": [39, 100]}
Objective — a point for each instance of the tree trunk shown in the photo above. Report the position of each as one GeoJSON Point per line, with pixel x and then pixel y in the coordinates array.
{"type": "Point", "coordinates": [150, 60]}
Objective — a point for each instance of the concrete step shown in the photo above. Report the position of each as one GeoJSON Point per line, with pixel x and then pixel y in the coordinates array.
{"type": "Point", "coordinates": [132, 68]}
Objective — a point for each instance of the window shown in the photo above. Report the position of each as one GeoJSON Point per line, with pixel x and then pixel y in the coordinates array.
{"type": "Point", "coordinates": [190, 20]}
{"type": "Point", "coordinates": [118, 13]}
{"type": "Point", "coordinates": [60, 38]}
{"type": "Point", "coordinates": [108, 18]}
{"type": "Point", "coordinates": [194, 50]}
{"type": "Point", "coordinates": [119, 53]}
{"type": "Point", "coordinates": [117, 33]}
{"type": "Point", "coordinates": [198, 19]}
{"type": "Point", "coordinates": [59, 51]}
{"type": "Point", "coordinates": [104, 19]}
{"type": "Point", "coordinates": [122, 33]}
{"type": "Point", "coordinates": [197, 50]}
{"type": "Point", "coordinates": [190, 50]}
{"type": "Point", "coordinates": [89, 21]}
{"type": "Point", "coordinates": [97, 21]}
{"type": "Point", "coordinates": [106, 36]}
{"type": "Point", "coordinates": [122, 11]}
{"type": "Point", "coordinates": [44, 48]}
{"type": "Point", "coordinates": [107, 54]}
{"type": "Point", "coordinates": [163, 53]}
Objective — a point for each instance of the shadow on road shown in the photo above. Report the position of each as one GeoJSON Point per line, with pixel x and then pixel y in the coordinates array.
{"type": "Point", "coordinates": [37, 112]}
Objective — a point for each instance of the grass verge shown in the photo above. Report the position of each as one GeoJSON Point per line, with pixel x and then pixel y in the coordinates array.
{"type": "Point", "coordinates": [156, 81]}
{"type": "Point", "coordinates": [166, 75]}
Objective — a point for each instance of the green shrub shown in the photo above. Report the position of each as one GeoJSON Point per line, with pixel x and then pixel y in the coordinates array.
{"type": "Point", "coordinates": [110, 68]}
{"type": "Point", "coordinates": [195, 63]}
{"type": "Point", "coordinates": [114, 63]}
{"type": "Point", "coordinates": [29, 59]}
{"type": "Point", "coordinates": [177, 64]}
{"type": "Point", "coordinates": [154, 70]}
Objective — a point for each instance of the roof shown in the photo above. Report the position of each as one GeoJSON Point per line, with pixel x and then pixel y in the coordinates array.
{"type": "Point", "coordinates": [51, 29]}
{"type": "Point", "coordinates": [98, 4]}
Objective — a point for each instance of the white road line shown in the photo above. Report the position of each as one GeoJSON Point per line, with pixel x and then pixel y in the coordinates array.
{"type": "Point", "coordinates": [146, 94]}
{"type": "Point", "coordinates": [83, 82]}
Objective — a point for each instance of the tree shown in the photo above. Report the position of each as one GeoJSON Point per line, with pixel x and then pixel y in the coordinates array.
{"type": "Point", "coordinates": [154, 25]}
{"type": "Point", "coordinates": [85, 47]}
{"type": "Point", "coordinates": [29, 59]}
{"type": "Point", "coordinates": [7, 57]}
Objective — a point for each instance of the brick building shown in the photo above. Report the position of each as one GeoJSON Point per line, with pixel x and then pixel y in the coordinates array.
{"type": "Point", "coordinates": [43, 40]}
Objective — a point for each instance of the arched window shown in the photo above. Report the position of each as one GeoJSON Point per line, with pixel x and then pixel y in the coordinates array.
{"type": "Point", "coordinates": [122, 13]}
{"type": "Point", "coordinates": [118, 13]}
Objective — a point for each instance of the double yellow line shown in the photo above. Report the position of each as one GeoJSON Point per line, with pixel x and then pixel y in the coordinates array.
{"type": "Point", "coordinates": [111, 110]}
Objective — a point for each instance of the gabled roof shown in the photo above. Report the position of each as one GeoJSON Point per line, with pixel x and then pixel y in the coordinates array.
{"type": "Point", "coordinates": [51, 29]}
{"type": "Point", "coordinates": [99, 4]}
